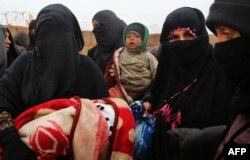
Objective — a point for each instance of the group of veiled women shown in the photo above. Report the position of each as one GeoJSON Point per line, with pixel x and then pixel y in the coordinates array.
{"type": "Point", "coordinates": [190, 89]}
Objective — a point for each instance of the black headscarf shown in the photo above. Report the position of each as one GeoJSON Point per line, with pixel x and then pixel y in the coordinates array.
{"type": "Point", "coordinates": [181, 61]}
{"type": "Point", "coordinates": [3, 56]}
{"type": "Point", "coordinates": [232, 13]}
{"type": "Point", "coordinates": [54, 69]}
{"type": "Point", "coordinates": [32, 25]}
{"type": "Point", "coordinates": [13, 52]}
{"type": "Point", "coordinates": [234, 54]}
{"type": "Point", "coordinates": [188, 63]}
{"type": "Point", "coordinates": [108, 36]}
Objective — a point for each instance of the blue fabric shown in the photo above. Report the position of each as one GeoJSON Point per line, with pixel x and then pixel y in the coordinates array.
{"type": "Point", "coordinates": [143, 131]}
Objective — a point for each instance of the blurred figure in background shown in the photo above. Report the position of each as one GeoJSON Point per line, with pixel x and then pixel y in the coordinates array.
{"type": "Point", "coordinates": [11, 49]}
{"type": "Point", "coordinates": [3, 56]}
{"type": "Point", "coordinates": [155, 51]}
{"type": "Point", "coordinates": [32, 32]}
{"type": "Point", "coordinates": [22, 41]}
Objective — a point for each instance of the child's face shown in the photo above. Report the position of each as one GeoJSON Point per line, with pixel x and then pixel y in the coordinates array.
{"type": "Point", "coordinates": [133, 40]}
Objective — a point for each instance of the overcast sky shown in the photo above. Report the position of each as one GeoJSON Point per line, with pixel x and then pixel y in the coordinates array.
{"type": "Point", "coordinates": [152, 13]}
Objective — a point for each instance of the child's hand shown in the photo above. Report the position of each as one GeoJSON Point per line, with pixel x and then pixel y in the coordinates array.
{"type": "Point", "coordinates": [147, 107]}
{"type": "Point", "coordinates": [111, 71]}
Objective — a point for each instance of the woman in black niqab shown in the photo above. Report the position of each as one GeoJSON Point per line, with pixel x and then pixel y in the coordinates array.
{"type": "Point", "coordinates": [3, 55]}
{"type": "Point", "coordinates": [189, 82]}
{"type": "Point", "coordinates": [13, 52]}
{"type": "Point", "coordinates": [108, 36]}
{"type": "Point", "coordinates": [32, 31]}
{"type": "Point", "coordinates": [54, 69]}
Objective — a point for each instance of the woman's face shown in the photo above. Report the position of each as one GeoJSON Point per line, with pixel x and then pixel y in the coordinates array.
{"type": "Point", "coordinates": [225, 33]}
{"type": "Point", "coordinates": [95, 23]}
{"type": "Point", "coordinates": [180, 35]}
{"type": "Point", "coordinates": [7, 41]}
{"type": "Point", "coordinates": [32, 32]}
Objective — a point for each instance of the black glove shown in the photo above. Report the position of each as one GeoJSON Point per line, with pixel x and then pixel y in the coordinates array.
{"type": "Point", "coordinates": [13, 147]}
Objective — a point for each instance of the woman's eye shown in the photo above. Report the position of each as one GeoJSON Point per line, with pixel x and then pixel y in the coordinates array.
{"type": "Point", "coordinates": [172, 38]}
{"type": "Point", "coordinates": [228, 34]}
{"type": "Point", "coordinates": [189, 36]}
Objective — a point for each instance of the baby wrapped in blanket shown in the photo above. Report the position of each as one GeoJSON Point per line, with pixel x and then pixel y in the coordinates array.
{"type": "Point", "coordinates": [79, 128]}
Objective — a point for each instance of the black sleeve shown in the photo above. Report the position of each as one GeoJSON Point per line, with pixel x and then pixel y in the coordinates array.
{"type": "Point", "coordinates": [147, 93]}
{"type": "Point", "coordinates": [194, 143]}
{"type": "Point", "coordinates": [10, 86]}
{"type": "Point", "coordinates": [13, 147]}
{"type": "Point", "coordinates": [91, 83]}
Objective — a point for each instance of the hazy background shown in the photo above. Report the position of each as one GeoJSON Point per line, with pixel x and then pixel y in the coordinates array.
{"type": "Point", "coordinates": [152, 13]}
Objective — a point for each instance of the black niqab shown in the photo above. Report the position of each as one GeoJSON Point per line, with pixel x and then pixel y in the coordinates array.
{"type": "Point", "coordinates": [108, 36]}
{"type": "Point", "coordinates": [32, 25]}
{"type": "Point", "coordinates": [182, 63]}
{"type": "Point", "coordinates": [234, 57]}
{"type": "Point", "coordinates": [3, 56]}
{"type": "Point", "coordinates": [56, 37]}
{"type": "Point", "coordinates": [13, 52]}
{"type": "Point", "coordinates": [54, 69]}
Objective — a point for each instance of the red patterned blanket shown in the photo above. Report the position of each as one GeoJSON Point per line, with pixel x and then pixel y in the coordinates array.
{"type": "Point", "coordinates": [75, 127]}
